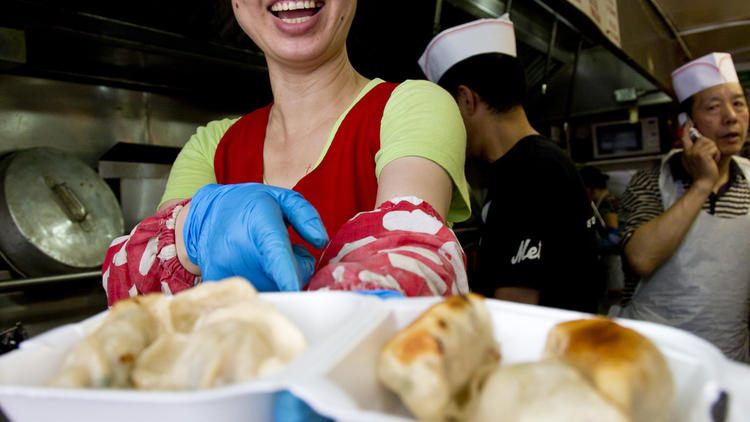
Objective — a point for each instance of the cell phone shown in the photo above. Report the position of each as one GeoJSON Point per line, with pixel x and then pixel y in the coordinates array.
{"type": "Point", "coordinates": [694, 133]}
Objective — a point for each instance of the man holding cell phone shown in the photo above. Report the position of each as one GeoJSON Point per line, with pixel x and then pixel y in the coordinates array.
{"type": "Point", "coordinates": [686, 228]}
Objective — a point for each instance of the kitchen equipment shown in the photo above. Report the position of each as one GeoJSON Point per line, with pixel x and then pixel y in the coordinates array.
{"type": "Point", "coordinates": [622, 138]}
{"type": "Point", "coordinates": [57, 215]}
{"type": "Point", "coordinates": [142, 171]}
{"type": "Point", "coordinates": [12, 337]}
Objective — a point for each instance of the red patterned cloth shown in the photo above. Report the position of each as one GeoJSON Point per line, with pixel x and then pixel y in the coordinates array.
{"type": "Point", "coordinates": [403, 245]}
{"type": "Point", "coordinates": [145, 261]}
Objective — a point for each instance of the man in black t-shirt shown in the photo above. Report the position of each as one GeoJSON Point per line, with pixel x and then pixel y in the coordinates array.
{"type": "Point", "coordinates": [538, 242]}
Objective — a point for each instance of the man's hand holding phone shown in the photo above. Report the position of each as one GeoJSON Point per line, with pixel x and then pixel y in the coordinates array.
{"type": "Point", "coordinates": [701, 157]}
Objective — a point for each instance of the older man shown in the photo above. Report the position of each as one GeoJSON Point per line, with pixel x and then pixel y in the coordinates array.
{"type": "Point", "coordinates": [686, 223]}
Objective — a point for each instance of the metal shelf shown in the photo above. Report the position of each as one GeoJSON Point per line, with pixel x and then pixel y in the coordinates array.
{"type": "Point", "coordinates": [625, 163]}
{"type": "Point", "coordinates": [19, 284]}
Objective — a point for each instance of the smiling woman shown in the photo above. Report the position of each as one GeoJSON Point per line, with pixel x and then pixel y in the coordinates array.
{"type": "Point", "coordinates": [375, 166]}
{"type": "Point", "coordinates": [336, 155]}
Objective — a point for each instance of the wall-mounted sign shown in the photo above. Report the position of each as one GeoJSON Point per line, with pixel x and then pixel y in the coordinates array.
{"type": "Point", "coordinates": [604, 14]}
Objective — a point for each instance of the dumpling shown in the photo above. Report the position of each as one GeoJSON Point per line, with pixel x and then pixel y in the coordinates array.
{"type": "Point", "coordinates": [541, 392]}
{"type": "Point", "coordinates": [436, 363]}
{"type": "Point", "coordinates": [626, 367]}
{"type": "Point", "coordinates": [214, 334]}
{"type": "Point", "coordinates": [211, 356]}
{"type": "Point", "coordinates": [106, 357]}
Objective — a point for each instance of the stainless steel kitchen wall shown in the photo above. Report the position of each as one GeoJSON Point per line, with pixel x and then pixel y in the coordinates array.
{"type": "Point", "coordinates": [87, 120]}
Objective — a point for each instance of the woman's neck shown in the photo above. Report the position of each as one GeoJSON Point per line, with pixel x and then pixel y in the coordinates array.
{"type": "Point", "coordinates": [305, 98]}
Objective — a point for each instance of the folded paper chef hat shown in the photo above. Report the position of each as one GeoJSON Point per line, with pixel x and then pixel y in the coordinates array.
{"type": "Point", "coordinates": [710, 70]}
{"type": "Point", "coordinates": [461, 42]}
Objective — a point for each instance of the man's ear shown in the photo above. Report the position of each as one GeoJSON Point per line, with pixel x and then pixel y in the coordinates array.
{"type": "Point", "coordinates": [467, 100]}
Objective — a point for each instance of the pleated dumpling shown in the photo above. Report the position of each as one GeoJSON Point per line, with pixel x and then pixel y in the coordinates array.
{"type": "Point", "coordinates": [541, 392]}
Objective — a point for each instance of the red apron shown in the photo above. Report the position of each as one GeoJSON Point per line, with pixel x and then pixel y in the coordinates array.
{"type": "Point", "coordinates": [344, 182]}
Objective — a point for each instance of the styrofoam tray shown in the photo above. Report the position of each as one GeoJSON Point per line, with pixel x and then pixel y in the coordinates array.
{"type": "Point", "coordinates": [328, 320]}
{"type": "Point", "coordinates": [336, 375]}
{"type": "Point", "coordinates": [699, 370]}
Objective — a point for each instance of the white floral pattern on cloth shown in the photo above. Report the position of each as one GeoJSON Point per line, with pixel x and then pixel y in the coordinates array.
{"type": "Point", "coordinates": [146, 260]}
{"type": "Point", "coordinates": [402, 246]}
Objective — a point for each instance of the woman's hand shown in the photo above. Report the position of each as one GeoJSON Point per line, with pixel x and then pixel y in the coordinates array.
{"type": "Point", "coordinates": [241, 230]}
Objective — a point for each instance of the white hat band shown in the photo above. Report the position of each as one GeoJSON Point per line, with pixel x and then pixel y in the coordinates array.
{"type": "Point", "coordinates": [461, 42]}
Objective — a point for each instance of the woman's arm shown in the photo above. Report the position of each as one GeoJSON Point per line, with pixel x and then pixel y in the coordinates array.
{"type": "Point", "coordinates": [180, 241]}
{"type": "Point", "coordinates": [416, 176]}
{"type": "Point", "coordinates": [404, 244]}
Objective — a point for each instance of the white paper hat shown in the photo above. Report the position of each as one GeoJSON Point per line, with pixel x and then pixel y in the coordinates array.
{"type": "Point", "coordinates": [710, 70]}
{"type": "Point", "coordinates": [461, 42]}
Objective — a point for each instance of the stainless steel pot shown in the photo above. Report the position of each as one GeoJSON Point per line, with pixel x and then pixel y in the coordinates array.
{"type": "Point", "coordinates": [57, 215]}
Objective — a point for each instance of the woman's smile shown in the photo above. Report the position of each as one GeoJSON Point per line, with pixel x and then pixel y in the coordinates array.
{"type": "Point", "coordinates": [295, 12]}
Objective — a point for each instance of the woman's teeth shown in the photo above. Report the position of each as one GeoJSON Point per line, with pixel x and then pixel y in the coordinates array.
{"type": "Point", "coordinates": [296, 20]}
{"type": "Point", "coordinates": [295, 5]}
{"type": "Point", "coordinates": [295, 11]}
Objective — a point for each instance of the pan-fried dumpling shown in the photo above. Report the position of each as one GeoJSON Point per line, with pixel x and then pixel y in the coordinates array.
{"type": "Point", "coordinates": [626, 367]}
{"type": "Point", "coordinates": [440, 356]}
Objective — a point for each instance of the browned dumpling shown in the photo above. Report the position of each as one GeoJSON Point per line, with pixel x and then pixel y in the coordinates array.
{"type": "Point", "coordinates": [625, 366]}
{"type": "Point", "coordinates": [436, 363]}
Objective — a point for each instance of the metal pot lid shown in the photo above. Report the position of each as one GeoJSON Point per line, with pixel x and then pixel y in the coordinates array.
{"type": "Point", "coordinates": [61, 206]}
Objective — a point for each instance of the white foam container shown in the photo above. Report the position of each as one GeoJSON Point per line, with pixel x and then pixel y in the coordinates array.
{"type": "Point", "coordinates": [336, 375]}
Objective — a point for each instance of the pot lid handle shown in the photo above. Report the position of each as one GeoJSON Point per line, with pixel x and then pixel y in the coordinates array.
{"type": "Point", "coordinates": [73, 207]}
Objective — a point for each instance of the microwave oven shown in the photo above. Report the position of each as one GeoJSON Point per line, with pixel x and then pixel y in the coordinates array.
{"type": "Point", "coordinates": [622, 138]}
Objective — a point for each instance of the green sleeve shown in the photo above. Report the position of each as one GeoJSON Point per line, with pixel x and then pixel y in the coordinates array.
{"type": "Point", "coordinates": [194, 166]}
{"type": "Point", "coordinates": [421, 119]}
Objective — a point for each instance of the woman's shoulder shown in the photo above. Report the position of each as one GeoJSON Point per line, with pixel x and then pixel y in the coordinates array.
{"type": "Point", "coordinates": [211, 133]}
{"type": "Point", "coordinates": [217, 127]}
{"type": "Point", "coordinates": [420, 90]}
{"type": "Point", "coordinates": [416, 100]}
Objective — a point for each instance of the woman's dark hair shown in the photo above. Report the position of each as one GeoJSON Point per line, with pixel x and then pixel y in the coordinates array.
{"type": "Point", "coordinates": [499, 79]}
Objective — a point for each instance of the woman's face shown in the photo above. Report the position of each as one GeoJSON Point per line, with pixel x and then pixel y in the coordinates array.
{"type": "Point", "coordinates": [296, 32]}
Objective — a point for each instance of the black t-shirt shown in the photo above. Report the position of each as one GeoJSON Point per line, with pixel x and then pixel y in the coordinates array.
{"type": "Point", "coordinates": [540, 229]}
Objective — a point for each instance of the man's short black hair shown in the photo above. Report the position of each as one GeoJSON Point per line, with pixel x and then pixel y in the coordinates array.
{"type": "Point", "coordinates": [499, 79]}
{"type": "Point", "coordinates": [686, 106]}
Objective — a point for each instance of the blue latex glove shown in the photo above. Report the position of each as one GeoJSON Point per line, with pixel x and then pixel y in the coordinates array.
{"type": "Point", "coordinates": [240, 230]}
{"type": "Point", "coordinates": [288, 408]}
{"type": "Point", "coordinates": [383, 294]}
